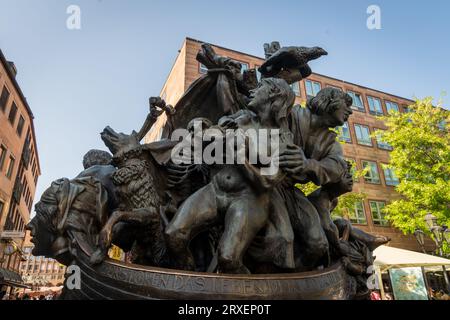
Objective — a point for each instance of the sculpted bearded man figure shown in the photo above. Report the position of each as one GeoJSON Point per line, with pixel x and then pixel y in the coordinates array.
{"type": "Point", "coordinates": [316, 156]}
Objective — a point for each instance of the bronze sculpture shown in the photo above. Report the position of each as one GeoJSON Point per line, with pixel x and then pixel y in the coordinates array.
{"type": "Point", "coordinates": [222, 218]}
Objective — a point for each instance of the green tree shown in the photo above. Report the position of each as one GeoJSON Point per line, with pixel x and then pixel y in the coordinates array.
{"type": "Point", "coordinates": [421, 160]}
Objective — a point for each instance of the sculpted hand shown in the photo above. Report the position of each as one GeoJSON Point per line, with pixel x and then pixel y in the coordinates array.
{"type": "Point", "coordinates": [292, 160]}
{"type": "Point", "coordinates": [157, 106]}
{"type": "Point", "coordinates": [227, 123]}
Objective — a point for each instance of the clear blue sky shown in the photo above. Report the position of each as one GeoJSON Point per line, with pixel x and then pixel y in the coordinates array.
{"type": "Point", "coordinates": [77, 82]}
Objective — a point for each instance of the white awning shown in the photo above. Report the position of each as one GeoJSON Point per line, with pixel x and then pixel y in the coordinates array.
{"type": "Point", "coordinates": [389, 257]}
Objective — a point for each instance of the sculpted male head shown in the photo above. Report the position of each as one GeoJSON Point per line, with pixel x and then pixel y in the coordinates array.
{"type": "Point", "coordinates": [333, 104]}
{"type": "Point", "coordinates": [96, 157]}
{"type": "Point", "coordinates": [273, 93]}
{"type": "Point", "coordinates": [43, 227]}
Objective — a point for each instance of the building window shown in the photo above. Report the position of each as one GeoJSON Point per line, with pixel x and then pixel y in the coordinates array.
{"type": "Point", "coordinates": [4, 99]}
{"type": "Point", "coordinates": [442, 125]}
{"type": "Point", "coordinates": [296, 88]}
{"type": "Point", "coordinates": [382, 144]}
{"type": "Point", "coordinates": [376, 209]}
{"type": "Point", "coordinates": [203, 68]}
{"type": "Point", "coordinates": [390, 178]}
{"type": "Point", "coordinates": [375, 106]}
{"type": "Point", "coordinates": [358, 214]}
{"type": "Point", "coordinates": [357, 101]}
{"type": "Point", "coordinates": [244, 66]}
{"type": "Point", "coordinates": [2, 156]}
{"type": "Point", "coordinates": [334, 87]}
{"type": "Point", "coordinates": [12, 113]}
{"type": "Point", "coordinates": [344, 133]}
{"type": "Point", "coordinates": [372, 175]}
{"type": "Point", "coordinates": [363, 135]}
{"type": "Point", "coordinates": [10, 170]}
{"type": "Point", "coordinates": [20, 126]}
{"type": "Point", "coordinates": [391, 106]}
{"type": "Point", "coordinates": [312, 88]}
{"type": "Point", "coordinates": [258, 74]}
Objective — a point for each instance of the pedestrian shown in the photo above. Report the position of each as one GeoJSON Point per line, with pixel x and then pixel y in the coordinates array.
{"type": "Point", "coordinates": [375, 295]}
{"type": "Point", "coordinates": [389, 296]}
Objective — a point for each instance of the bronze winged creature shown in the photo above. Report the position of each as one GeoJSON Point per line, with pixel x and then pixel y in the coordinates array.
{"type": "Point", "coordinates": [289, 63]}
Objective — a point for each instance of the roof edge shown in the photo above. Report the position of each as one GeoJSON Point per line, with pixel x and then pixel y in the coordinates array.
{"type": "Point", "coordinates": [314, 73]}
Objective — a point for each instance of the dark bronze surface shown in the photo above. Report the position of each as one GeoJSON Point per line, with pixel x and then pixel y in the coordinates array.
{"type": "Point", "coordinates": [201, 230]}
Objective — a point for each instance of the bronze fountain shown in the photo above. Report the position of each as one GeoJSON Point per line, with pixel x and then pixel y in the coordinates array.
{"type": "Point", "coordinates": [223, 229]}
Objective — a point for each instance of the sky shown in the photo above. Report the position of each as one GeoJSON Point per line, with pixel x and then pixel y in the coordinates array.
{"type": "Point", "coordinates": [79, 81]}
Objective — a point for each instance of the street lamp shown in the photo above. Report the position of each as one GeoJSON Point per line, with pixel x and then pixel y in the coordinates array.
{"type": "Point", "coordinates": [446, 234]}
{"type": "Point", "coordinates": [431, 221]}
{"type": "Point", "coordinates": [420, 237]}
{"type": "Point", "coordinates": [440, 233]}
{"type": "Point", "coordinates": [438, 237]}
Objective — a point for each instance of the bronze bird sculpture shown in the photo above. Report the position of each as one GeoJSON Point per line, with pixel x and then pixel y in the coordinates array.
{"type": "Point", "coordinates": [289, 63]}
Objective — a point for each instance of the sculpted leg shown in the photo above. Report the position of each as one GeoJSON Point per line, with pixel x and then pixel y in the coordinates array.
{"type": "Point", "coordinates": [243, 220]}
{"type": "Point", "coordinates": [142, 216]}
{"type": "Point", "coordinates": [330, 229]}
{"type": "Point", "coordinates": [308, 230]}
{"type": "Point", "coordinates": [196, 214]}
{"type": "Point", "coordinates": [372, 241]}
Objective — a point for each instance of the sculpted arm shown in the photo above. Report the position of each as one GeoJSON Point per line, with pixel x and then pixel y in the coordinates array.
{"type": "Point", "coordinates": [322, 172]}
{"type": "Point", "coordinates": [327, 170]}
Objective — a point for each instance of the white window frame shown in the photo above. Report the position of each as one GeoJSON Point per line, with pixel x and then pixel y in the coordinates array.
{"type": "Point", "coordinates": [359, 217]}
{"type": "Point", "coordinates": [359, 129]}
{"type": "Point", "coordinates": [390, 178]}
{"type": "Point", "coordinates": [341, 133]}
{"type": "Point", "coordinates": [379, 219]}
{"type": "Point", "coordinates": [389, 105]}
{"type": "Point", "coordinates": [354, 94]}
{"type": "Point", "coordinates": [381, 144]}
{"type": "Point", "coordinates": [373, 111]}
{"type": "Point", "coordinates": [312, 87]}
{"type": "Point", "coordinates": [369, 177]}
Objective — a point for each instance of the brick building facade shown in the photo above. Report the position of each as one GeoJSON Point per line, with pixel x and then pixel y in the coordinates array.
{"type": "Point", "coordinates": [19, 167]}
{"type": "Point", "coordinates": [40, 271]}
{"type": "Point", "coordinates": [378, 185]}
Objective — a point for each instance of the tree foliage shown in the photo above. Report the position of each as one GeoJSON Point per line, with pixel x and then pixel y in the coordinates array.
{"type": "Point", "coordinates": [421, 160]}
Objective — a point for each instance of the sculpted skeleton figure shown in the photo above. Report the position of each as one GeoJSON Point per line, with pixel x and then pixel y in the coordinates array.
{"type": "Point", "coordinates": [238, 195]}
